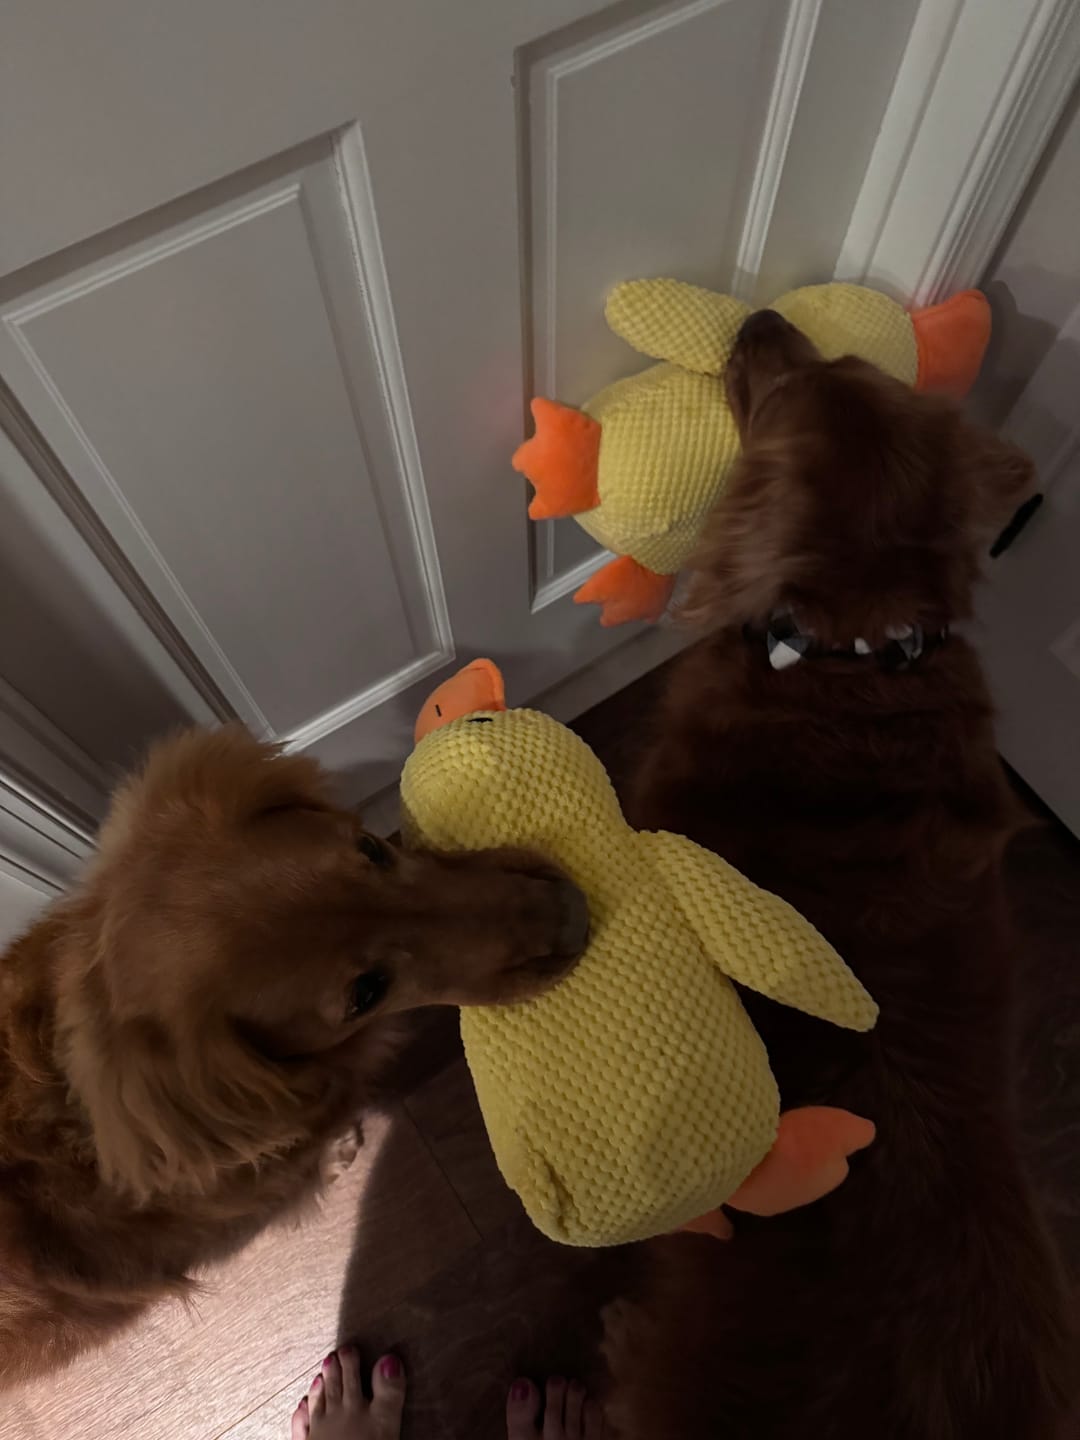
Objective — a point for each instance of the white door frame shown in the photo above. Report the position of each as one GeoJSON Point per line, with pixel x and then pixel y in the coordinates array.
{"type": "Point", "coordinates": [988, 80]}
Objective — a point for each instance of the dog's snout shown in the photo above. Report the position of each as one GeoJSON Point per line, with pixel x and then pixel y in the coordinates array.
{"type": "Point", "coordinates": [573, 933]}
{"type": "Point", "coordinates": [763, 325]}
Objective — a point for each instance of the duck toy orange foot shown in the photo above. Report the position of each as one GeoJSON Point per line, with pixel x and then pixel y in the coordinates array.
{"type": "Point", "coordinates": [641, 464]}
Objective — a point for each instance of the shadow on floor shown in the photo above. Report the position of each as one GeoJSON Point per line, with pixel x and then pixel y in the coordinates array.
{"type": "Point", "coordinates": [509, 1303]}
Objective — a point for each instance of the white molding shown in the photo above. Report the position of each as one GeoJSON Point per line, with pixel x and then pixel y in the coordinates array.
{"type": "Point", "coordinates": [40, 487]}
{"type": "Point", "coordinates": [564, 582]}
{"type": "Point", "coordinates": [976, 97]}
{"type": "Point", "coordinates": [13, 870]}
{"type": "Point", "coordinates": [358, 206]}
{"type": "Point", "coordinates": [153, 254]}
{"type": "Point", "coordinates": [38, 842]}
{"type": "Point", "coordinates": [795, 47]}
{"type": "Point", "coordinates": [312, 731]}
{"type": "Point", "coordinates": [155, 569]}
{"type": "Point", "coordinates": [33, 747]}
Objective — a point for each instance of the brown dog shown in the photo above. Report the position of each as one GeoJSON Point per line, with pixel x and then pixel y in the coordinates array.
{"type": "Point", "coordinates": [921, 1301]}
{"type": "Point", "coordinates": [182, 1037]}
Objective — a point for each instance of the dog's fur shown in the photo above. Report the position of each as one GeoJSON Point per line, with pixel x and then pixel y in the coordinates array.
{"type": "Point", "coordinates": [921, 1301]}
{"type": "Point", "coordinates": [182, 1037]}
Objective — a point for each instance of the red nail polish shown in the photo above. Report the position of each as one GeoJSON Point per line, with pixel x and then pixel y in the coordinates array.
{"type": "Point", "coordinates": [519, 1390]}
{"type": "Point", "coordinates": [390, 1366]}
{"type": "Point", "coordinates": [316, 1382]}
{"type": "Point", "coordinates": [328, 1361]}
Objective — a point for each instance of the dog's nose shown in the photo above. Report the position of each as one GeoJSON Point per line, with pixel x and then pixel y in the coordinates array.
{"type": "Point", "coordinates": [573, 933]}
{"type": "Point", "coordinates": [763, 325]}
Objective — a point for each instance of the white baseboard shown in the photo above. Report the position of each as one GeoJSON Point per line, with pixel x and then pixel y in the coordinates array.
{"type": "Point", "coordinates": [614, 671]}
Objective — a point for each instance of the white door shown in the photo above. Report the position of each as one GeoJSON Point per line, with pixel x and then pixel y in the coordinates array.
{"type": "Point", "coordinates": [1029, 610]}
{"type": "Point", "coordinates": [278, 278]}
{"type": "Point", "coordinates": [1029, 614]}
{"type": "Point", "coordinates": [276, 281]}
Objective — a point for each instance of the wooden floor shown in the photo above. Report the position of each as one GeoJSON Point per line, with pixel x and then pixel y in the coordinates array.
{"type": "Point", "coordinates": [419, 1246]}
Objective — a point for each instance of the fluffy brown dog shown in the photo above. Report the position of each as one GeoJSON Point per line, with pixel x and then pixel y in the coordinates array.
{"type": "Point", "coordinates": [182, 1037]}
{"type": "Point", "coordinates": [921, 1301]}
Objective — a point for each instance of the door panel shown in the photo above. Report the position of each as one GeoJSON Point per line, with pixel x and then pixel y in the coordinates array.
{"type": "Point", "coordinates": [214, 390]}
{"type": "Point", "coordinates": [608, 192]}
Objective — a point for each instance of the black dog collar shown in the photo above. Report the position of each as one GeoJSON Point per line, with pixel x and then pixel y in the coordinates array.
{"type": "Point", "coordinates": [787, 645]}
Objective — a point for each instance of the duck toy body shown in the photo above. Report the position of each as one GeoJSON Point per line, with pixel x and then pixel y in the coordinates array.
{"type": "Point", "coordinates": [635, 1096]}
{"type": "Point", "coordinates": [640, 465]}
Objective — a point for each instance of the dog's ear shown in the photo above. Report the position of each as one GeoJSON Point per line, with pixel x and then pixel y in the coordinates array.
{"type": "Point", "coordinates": [171, 1112]}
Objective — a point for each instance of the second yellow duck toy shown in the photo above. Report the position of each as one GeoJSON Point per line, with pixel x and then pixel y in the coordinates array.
{"type": "Point", "coordinates": [641, 464]}
{"type": "Point", "coordinates": [635, 1096]}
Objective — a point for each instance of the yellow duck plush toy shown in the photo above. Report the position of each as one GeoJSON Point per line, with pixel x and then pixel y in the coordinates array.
{"type": "Point", "coordinates": [642, 463]}
{"type": "Point", "coordinates": [635, 1096]}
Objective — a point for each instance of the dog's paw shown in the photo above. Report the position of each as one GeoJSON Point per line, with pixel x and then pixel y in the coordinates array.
{"type": "Point", "coordinates": [340, 1154]}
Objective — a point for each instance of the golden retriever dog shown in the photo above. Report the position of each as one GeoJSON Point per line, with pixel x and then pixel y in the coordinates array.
{"type": "Point", "coordinates": [921, 1300]}
{"type": "Point", "coordinates": [183, 1036]}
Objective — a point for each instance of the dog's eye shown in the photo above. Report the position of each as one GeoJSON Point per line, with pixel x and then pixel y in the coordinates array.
{"type": "Point", "coordinates": [366, 991]}
{"type": "Point", "coordinates": [375, 851]}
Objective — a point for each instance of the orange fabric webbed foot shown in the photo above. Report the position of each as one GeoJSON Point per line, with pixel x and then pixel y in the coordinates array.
{"type": "Point", "coordinates": [561, 460]}
{"type": "Point", "coordinates": [809, 1158]}
{"type": "Point", "coordinates": [715, 1223]}
{"type": "Point", "coordinates": [626, 591]}
{"type": "Point", "coordinates": [951, 340]}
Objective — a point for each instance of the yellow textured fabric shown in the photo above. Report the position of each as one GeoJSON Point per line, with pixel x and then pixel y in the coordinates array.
{"type": "Point", "coordinates": [670, 320]}
{"type": "Point", "coordinates": [668, 438]}
{"type": "Point", "coordinates": [636, 1095]}
{"type": "Point", "coordinates": [852, 320]}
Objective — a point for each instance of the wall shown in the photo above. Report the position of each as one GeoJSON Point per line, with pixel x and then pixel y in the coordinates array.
{"type": "Point", "coordinates": [1034, 279]}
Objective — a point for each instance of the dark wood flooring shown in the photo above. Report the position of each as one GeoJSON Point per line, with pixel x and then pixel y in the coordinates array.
{"type": "Point", "coordinates": [421, 1247]}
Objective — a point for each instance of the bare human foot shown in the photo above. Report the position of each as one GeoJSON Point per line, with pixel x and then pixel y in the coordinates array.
{"type": "Point", "coordinates": [568, 1412]}
{"type": "Point", "coordinates": [335, 1407]}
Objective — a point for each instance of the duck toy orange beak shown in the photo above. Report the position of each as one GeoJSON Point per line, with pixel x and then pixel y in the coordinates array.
{"type": "Point", "coordinates": [478, 686]}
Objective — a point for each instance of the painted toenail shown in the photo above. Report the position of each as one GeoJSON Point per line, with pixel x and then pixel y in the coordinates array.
{"type": "Point", "coordinates": [328, 1361]}
{"type": "Point", "coordinates": [520, 1391]}
{"type": "Point", "coordinates": [316, 1382]}
{"type": "Point", "coordinates": [390, 1367]}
